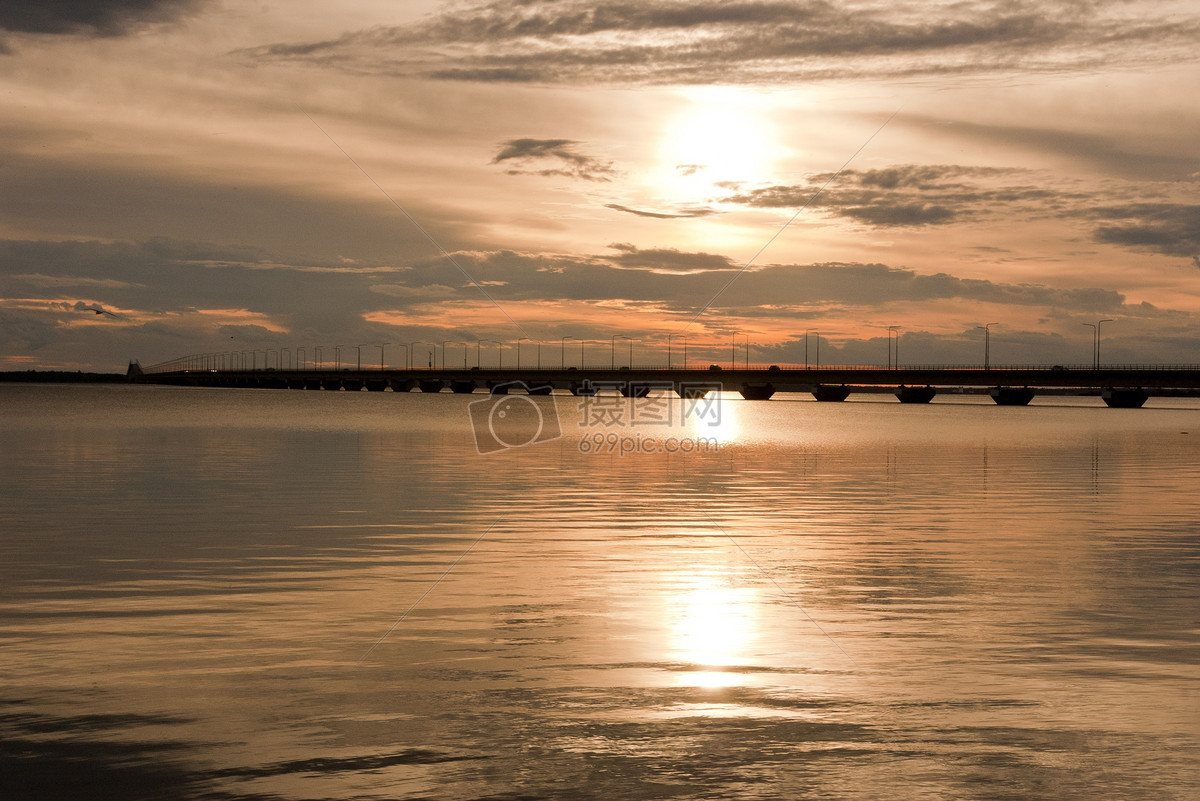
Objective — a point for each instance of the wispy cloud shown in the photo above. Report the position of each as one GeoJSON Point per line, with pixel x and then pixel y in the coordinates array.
{"type": "Point", "coordinates": [1170, 228]}
{"type": "Point", "coordinates": [552, 157]}
{"type": "Point", "coordinates": [90, 17]}
{"type": "Point", "coordinates": [907, 195]}
{"type": "Point", "coordinates": [702, 211]}
{"type": "Point", "coordinates": [755, 41]}
{"type": "Point", "coordinates": [45, 281]}
{"type": "Point", "coordinates": [931, 195]}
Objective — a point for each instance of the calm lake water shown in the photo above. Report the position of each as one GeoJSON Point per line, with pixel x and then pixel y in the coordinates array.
{"type": "Point", "coordinates": [240, 594]}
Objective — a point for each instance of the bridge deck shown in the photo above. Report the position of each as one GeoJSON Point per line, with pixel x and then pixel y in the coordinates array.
{"type": "Point", "coordinates": [783, 380]}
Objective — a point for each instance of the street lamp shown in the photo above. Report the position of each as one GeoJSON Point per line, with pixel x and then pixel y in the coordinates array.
{"type": "Point", "coordinates": [479, 351]}
{"type": "Point", "coordinates": [987, 344]}
{"type": "Point", "coordinates": [1098, 323]}
{"type": "Point", "coordinates": [1096, 341]}
{"type": "Point", "coordinates": [891, 331]}
{"type": "Point", "coordinates": [337, 357]}
{"type": "Point", "coordinates": [382, 345]}
{"type": "Point", "coordinates": [612, 351]}
{"type": "Point", "coordinates": [733, 350]}
{"type": "Point", "coordinates": [519, 351]}
{"type": "Point", "coordinates": [446, 342]}
{"type": "Point", "coordinates": [359, 348]}
{"type": "Point", "coordinates": [562, 356]}
{"type": "Point", "coordinates": [412, 352]}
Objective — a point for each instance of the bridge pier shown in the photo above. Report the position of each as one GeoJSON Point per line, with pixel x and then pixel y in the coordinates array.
{"type": "Point", "coordinates": [1011, 396]}
{"type": "Point", "coordinates": [632, 389]}
{"type": "Point", "coordinates": [827, 393]}
{"type": "Point", "coordinates": [431, 384]}
{"type": "Point", "coordinates": [915, 394]}
{"type": "Point", "coordinates": [462, 386]}
{"type": "Point", "coordinates": [586, 388]}
{"type": "Point", "coordinates": [757, 391]}
{"type": "Point", "coordinates": [1124, 397]}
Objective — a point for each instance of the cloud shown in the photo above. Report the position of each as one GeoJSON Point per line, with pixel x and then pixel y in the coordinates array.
{"type": "Point", "coordinates": [754, 41]}
{"type": "Point", "coordinates": [1130, 155]}
{"type": "Point", "coordinates": [527, 156]}
{"type": "Point", "coordinates": [1169, 228]}
{"type": "Point", "coordinates": [44, 281]}
{"type": "Point", "coordinates": [669, 261]}
{"type": "Point", "coordinates": [926, 195]}
{"type": "Point", "coordinates": [169, 303]}
{"type": "Point", "coordinates": [89, 17]}
{"type": "Point", "coordinates": [908, 195]}
{"type": "Point", "coordinates": [663, 215]}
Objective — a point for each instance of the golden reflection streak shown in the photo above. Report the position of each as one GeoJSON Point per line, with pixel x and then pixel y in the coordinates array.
{"type": "Point", "coordinates": [713, 624]}
{"type": "Point", "coordinates": [713, 416]}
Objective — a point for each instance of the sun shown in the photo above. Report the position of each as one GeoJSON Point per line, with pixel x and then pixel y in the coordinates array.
{"type": "Point", "coordinates": [724, 136]}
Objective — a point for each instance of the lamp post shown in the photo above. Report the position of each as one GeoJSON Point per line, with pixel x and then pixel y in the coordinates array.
{"type": "Point", "coordinates": [891, 331]}
{"type": "Point", "coordinates": [382, 345]}
{"type": "Point", "coordinates": [987, 344]}
{"type": "Point", "coordinates": [1098, 324]}
{"type": "Point", "coordinates": [337, 357]}
{"type": "Point", "coordinates": [479, 352]}
{"type": "Point", "coordinates": [1096, 341]}
{"type": "Point", "coordinates": [412, 352]}
{"type": "Point", "coordinates": [519, 351]}
{"type": "Point", "coordinates": [562, 356]}
{"type": "Point", "coordinates": [733, 350]}
{"type": "Point", "coordinates": [446, 342]}
{"type": "Point", "coordinates": [612, 351]}
{"type": "Point", "coordinates": [359, 349]}
{"type": "Point", "coordinates": [669, 350]}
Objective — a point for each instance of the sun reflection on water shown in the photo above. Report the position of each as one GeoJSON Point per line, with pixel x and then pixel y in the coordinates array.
{"type": "Point", "coordinates": [713, 626]}
{"type": "Point", "coordinates": [717, 415]}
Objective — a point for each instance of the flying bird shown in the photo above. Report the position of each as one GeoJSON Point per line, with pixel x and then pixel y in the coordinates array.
{"type": "Point", "coordinates": [101, 310]}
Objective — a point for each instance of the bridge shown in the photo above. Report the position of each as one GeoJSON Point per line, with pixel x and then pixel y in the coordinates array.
{"type": "Point", "coordinates": [1119, 386]}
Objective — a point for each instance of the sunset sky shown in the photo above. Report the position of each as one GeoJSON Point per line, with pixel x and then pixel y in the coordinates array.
{"type": "Point", "coordinates": [231, 176]}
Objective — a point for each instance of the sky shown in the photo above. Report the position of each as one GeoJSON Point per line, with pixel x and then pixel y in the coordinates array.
{"type": "Point", "coordinates": [770, 178]}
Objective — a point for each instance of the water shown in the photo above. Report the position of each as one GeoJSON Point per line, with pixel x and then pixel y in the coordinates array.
{"type": "Point", "coordinates": [314, 595]}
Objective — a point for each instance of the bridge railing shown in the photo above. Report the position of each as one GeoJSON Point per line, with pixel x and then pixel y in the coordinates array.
{"type": "Point", "coordinates": [230, 362]}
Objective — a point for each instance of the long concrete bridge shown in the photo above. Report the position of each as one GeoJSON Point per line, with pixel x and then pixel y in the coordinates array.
{"type": "Point", "coordinates": [1124, 386]}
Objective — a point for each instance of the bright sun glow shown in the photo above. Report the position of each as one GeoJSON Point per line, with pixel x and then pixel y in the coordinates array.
{"type": "Point", "coordinates": [724, 136]}
{"type": "Point", "coordinates": [716, 415]}
{"type": "Point", "coordinates": [713, 626]}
